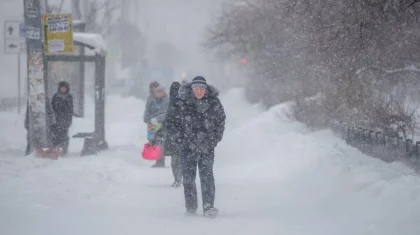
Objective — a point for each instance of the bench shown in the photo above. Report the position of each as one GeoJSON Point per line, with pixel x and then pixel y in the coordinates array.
{"type": "Point", "coordinates": [91, 144]}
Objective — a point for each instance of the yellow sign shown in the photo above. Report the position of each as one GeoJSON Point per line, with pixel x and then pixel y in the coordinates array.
{"type": "Point", "coordinates": [58, 33]}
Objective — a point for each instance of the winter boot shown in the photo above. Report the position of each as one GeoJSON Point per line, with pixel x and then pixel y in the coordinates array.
{"type": "Point", "coordinates": [28, 150]}
{"type": "Point", "coordinates": [158, 166]}
{"type": "Point", "coordinates": [160, 163]}
{"type": "Point", "coordinates": [191, 213]}
{"type": "Point", "coordinates": [177, 184]}
{"type": "Point", "coordinates": [211, 213]}
{"type": "Point", "coordinates": [66, 147]}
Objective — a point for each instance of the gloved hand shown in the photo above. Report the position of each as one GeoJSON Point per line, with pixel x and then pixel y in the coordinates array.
{"type": "Point", "coordinates": [154, 121]}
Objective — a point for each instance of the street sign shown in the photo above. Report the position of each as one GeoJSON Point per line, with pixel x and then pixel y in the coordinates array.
{"type": "Point", "coordinates": [13, 29]}
{"type": "Point", "coordinates": [58, 35]}
{"type": "Point", "coordinates": [15, 43]}
{"type": "Point", "coordinates": [31, 9]}
{"type": "Point", "coordinates": [14, 37]}
{"type": "Point", "coordinates": [14, 46]}
{"type": "Point", "coordinates": [33, 33]}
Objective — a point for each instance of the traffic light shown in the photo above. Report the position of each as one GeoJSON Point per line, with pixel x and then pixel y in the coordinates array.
{"type": "Point", "coordinates": [243, 61]}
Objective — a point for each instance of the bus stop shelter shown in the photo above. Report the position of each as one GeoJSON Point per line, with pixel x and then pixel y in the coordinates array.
{"type": "Point", "coordinates": [88, 48]}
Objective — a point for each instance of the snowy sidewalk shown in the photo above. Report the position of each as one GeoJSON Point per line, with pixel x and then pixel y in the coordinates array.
{"type": "Point", "coordinates": [115, 195]}
{"type": "Point", "coordinates": [272, 177]}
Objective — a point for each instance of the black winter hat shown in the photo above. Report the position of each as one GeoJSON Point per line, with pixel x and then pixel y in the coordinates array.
{"type": "Point", "coordinates": [199, 81]}
{"type": "Point", "coordinates": [64, 84]}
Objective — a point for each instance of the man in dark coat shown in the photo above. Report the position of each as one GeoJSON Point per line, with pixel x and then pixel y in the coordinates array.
{"type": "Point", "coordinates": [200, 128]}
{"type": "Point", "coordinates": [172, 145]}
{"type": "Point", "coordinates": [62, 104]}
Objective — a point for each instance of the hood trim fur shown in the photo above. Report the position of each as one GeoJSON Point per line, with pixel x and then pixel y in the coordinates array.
{"type": "Point", "coordinates": [185, 92]}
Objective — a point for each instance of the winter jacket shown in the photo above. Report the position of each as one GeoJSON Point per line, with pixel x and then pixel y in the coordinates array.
{"type": "Point", "coordinates": [172, 146]}
{"type": "Point", "coordinates": [62, 104]}
{"type": "Point", "coordinates": [155, 108]}
{"type": "Point", "coordinates": [201, 123]}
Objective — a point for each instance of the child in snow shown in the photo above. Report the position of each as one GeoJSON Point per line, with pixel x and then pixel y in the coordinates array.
{"type": "Point", "coordinates": [154, 115]}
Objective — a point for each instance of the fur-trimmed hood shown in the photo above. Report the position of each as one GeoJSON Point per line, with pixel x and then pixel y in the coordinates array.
{"type": "Point", "coordinates": [185, 92]}
{"type": "Point", "coordinates": [197, 124]}
{"type": "Point", "coordinates": [64, 84]}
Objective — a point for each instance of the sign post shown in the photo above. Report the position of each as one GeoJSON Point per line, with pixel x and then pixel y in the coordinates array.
{"type": "Point", "coordinates": [14, 37]}
{"type": "Point", "coordinates": [14, 43]}
{"type": "Point", "coordinates": [18, 80]}
{"type": "Point", "coordinates": [37, 102]}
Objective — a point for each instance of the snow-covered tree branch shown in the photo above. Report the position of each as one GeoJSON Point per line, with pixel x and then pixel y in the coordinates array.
{"type": "Point", "coordinates": [350, 51]}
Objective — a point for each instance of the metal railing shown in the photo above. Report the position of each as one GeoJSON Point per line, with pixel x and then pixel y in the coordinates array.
{"type": "Point", "coordinates": [389, 148]}
{"type": "Point", "coordinates": [10, 104]}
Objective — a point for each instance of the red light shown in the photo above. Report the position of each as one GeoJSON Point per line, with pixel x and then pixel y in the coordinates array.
{"type": "Point", "coordinates": [243, 61]}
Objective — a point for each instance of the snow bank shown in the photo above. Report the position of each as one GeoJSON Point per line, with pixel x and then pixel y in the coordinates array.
{"type": "Point", "coordinates": [238, 111]}
{"type": "Point", "coordinates": [315, 181]}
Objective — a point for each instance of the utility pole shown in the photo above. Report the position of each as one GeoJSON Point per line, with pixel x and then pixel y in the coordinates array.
{"type": "Point", "coordinates": [19, 85]}
{"type": "Point", "coordinates": [38, 127]}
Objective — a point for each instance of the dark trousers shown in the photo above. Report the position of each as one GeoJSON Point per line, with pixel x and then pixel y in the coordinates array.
{"type": "Point", "coordinates": [176, 167]}
{"type": "Point", "coordinates": [29, 147]}
{"type": "Point", "coordinates": [60, 137]}
{"type": "Point", "coordinates": [205, 162]}
{"type": "Point", "coordinates": [159, 139]}
{"type": "Point", "coordinates": [160, 162]}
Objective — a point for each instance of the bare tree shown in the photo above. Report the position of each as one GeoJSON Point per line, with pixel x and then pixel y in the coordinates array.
{"type": "Point", "coordinates": [52, 9]}
{"type": "Point", "coordinates": [345, 49]}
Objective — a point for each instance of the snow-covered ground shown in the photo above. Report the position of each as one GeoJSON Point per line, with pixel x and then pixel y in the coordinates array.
{"type": "Point", "coordinates": [272, 177]}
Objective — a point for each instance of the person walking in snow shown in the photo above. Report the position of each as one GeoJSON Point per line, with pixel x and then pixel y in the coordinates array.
{"type": "Point", "coordinates": [150, 97]}
{"type": "Point", "coordinates": [154, 115]}
{"type": "Point", "coordinates": [172, 145]}
{"type": "Point", "coordinates": [199, 129]}
{"type": "Point", "coordinates": [184, 82]}
{"type": "Point", "coordinates": [62, 104]}
{"type": "Point", "coordinates": [152, 87]}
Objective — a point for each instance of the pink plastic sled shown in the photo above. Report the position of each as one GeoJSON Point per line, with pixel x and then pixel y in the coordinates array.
{"type": "Point", "coordinates": [151, 153]}
{"type": "Point", "coordinates": [50, 153]}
